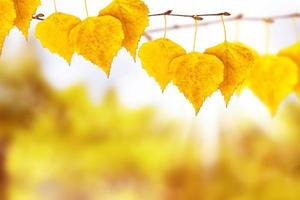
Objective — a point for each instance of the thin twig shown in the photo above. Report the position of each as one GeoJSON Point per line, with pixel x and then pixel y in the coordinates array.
{"type": "Point", "coordinates": [215, 14]}
{"type": "Point", "coordinates": [240, 17]}
{"type": "Point", "coordinates": [197, 16]}
{"type": "Point", "coordinates": [39, 16]}
{"type": "Point", "coordinates": [170, 13]}
{"type": "Point", "coordinates": [191, 25]}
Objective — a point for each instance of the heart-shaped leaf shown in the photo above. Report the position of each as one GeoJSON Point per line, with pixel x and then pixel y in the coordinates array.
{"type": "Point", "coordinates": [133, 15]}
{"type": "Point", "coordinates": [6, 20]}
{"type": "Point", "coordinates": [293, 52]}
{"type": "Point", "coordinates": [197, 76]}
{"type": "Point", "coordinates": [273, 79]}
{"type": "Point", "coordinates": [238, 61]}
{"type": "Point", "coordinates": [25, 10]}
{"type": "Point", "coordinates": [98, 39]}
{"type": "Point", "coordinates": [156, 57]}
{"type": "Point", "coordinates": [54, 33]}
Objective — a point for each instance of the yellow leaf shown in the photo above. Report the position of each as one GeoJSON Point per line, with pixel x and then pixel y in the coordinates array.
{"type": "Point", "coordinates": [238, 61]}
{"type": "Point", "coordinates": [134, 17]}
{"type": "Point", "coordinates": [98, 39]}
{"type": "Point", "coordinates": [156, 57]}
{"type": "Point", "coordinates": [293, 52]}
{"type": "Point", "coordinates": [273, 79]}
{"type": "Point", "coordinates": [197, 76]}
{"type": "Point", "coordinates": [6, 20]}
{"type": "Point", "coordinates": [25, 9]}
{"type": "Point", "coordinates": [54, 32]}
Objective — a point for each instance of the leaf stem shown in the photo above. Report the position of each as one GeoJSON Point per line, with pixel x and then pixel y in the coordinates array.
{"type": "Point", "coordinates": [196, 33]}
{"type": "Point", "coordinates": [268, 37]}
{"type": "Point", "coordinates": [237, 30]}
{"type": "Point", "coordinates": [55, 6]}
{"type": "Point", "coordinates": [86, 8]}
{"type": "Point", "coordinates": [296, 28]}
{"type": "Point", "coordinates": [224, 27]}
{"type": "Point", "coordinates": [165, 31]}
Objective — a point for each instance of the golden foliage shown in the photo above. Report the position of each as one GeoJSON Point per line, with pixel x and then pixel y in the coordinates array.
{"type": "Point", "coordinates": [197, 76]}
{"type": "Point", "coordinates": [134, 17]}
{"type": "Point", "coordinates": [293, 52]}
{"type": "Point", "coordinates": [238, 61]}
{"type": "Point", "coordinates": [156, 57]}
{"type": "Point", "coordinates": [54, 33]}
{"type": "Point", "coordinates": [98, 39]}
{"type": "Point", "coordinates": [273, 79]}
{"type": "Point", "coordinates": [6, 20]}
{"type": "Point", "coordinates": [24, 92]}
{"type": "Point", "coordinates": [123, 22]}
{"type": "Point", "coordinates": [123, 149]}
{"type": "Point", "coordinates": [25, 9]}
{"type": "Point", "coordinates": [142, 156]}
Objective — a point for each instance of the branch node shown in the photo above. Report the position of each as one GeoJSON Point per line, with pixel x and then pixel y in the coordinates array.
{"type": "Point", "coordinates": [268, 20]}
{"type": "Point", "coordinates": [176, 26]}
{"type": "Point", "coordinates": [239, 16]}
{"type": "Point", "coordinates": [226, 14]}
{"type": "Point", "coordinates": [196, 17]}
{"type": "Point", "coordinates": [295, 15]}
{"type": "Point", "coordinates": [168, 12]}
{"type": "Point", "coordinates": [38, 16]}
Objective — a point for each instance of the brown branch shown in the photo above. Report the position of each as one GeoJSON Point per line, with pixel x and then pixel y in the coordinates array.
{"type": "Point", "coordinates": [239, 17]}
{"type": "Point", "coordinates": [39, 16]}
{"type": "Point", "coordinates": [169, 13]}
{"type": "Point", "coordinates": [199, 17]}
{"type": "Point", "coordinates": [192, 25]}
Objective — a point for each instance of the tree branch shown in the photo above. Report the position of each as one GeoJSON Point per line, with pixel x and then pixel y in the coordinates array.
{"type": "Point", "coordinates": [39, 16]}
{"type": "Point", "coordinates": [239, 17]}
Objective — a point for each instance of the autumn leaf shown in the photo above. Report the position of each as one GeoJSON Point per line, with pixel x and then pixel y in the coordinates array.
{"type": "Point", "coordinates": [238, 61]}
{"type": "Point", "coordinates": [6, 20]}
{"type": "Point", "coordinates": [54, 33]}
{"type": "Point", "coordinates": [273, 79]}
{"type": "Point", "coordinates": [25, 10]}
{"type": "Point", "coordinates": [293, 52]}
{"type": "Point", "coordinates": [197, 76]}
{"type": "Point", "coordinates": [134, 17]}
{"type": "Point", "coordinates": [98, 39]}
{"type": "Point", "coordinates": [156, 57]}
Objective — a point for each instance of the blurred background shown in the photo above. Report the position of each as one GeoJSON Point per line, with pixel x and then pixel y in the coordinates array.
{"type": "Point", "coordinates": [68, 132]}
